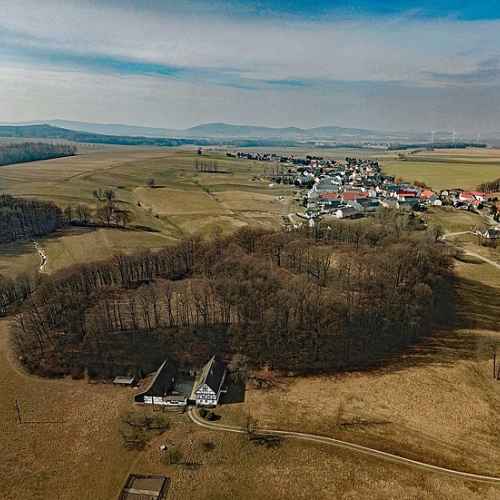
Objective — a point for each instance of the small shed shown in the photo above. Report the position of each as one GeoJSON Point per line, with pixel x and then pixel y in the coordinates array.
{"type": "Point", "coordinates": [142, 487]}
{"type": "Point", "coordinates": [124, 381]}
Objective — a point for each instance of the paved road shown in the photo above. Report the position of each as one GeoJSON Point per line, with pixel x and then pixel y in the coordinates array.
{"type": "Point", "coordinates": [468, 252]}
{"type": "Point", "coordinates": [390, 457]}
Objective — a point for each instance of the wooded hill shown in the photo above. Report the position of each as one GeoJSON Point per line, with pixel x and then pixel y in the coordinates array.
{"type": "Point", "coordinates": [50, 132]}
{"type": "Point", "coordinates": [33, 151]}
{"type": "Point", "coordinates": [333, 298]}
{"type": "Point", "coordinates": [22, 219]}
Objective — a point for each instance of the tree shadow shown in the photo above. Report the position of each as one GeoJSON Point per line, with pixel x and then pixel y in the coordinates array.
{"type": "Point", "coordinates": [477, 308]}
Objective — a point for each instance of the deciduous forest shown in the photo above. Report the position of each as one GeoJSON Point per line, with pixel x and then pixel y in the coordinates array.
{"type": "Point", "coordinates": [33, 151]}
{"type": "Point", "coordinates": [22, 218]}
{"type": "Point", "coordinates": [336, 297]}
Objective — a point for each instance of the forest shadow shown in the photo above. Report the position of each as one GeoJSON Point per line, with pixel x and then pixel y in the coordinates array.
{"type": "Point", "coordinates": [16, 249]}
{"type": "Point", "coordinates": [477, 308]}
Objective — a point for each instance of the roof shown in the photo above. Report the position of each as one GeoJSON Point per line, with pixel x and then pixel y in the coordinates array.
{"type": "Point", "coordinates": [427, 193]}
{"type": "Point", "coordinates": [142, 487]}
{"type": "Point", "coordinates": [467, 195]}
{"type": "Point", "coordinates": [124, 380]}
{"type": "Point", "coordinates": [348, 210]}
{"type": "Point", "coordinates": [329, 196]}
{"type": "Point", "coordinates": [212, 375]}
{"type": "Point", "coordinates": [161, 383]}
{"type": "Point", "coordinates": [352, 195]}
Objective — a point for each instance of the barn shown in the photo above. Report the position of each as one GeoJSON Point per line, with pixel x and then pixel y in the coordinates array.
{"type": "Point", "coordinates": [160, 389]}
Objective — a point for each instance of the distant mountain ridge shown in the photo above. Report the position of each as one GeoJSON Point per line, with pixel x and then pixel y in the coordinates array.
{"type": "Point", "coordinates": [223, 130]}
{"type": "Point", "coordinates": [225, 133]}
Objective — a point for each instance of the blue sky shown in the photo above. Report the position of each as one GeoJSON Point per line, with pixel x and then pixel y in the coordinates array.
{"type": "Point", "coordinates": [391, 65]}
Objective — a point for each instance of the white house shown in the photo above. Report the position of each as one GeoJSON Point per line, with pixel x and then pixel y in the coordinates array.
{"type": "Point", "coordinates": [346, 212]}
{"type": "Point", "coordinates": [208, 387]}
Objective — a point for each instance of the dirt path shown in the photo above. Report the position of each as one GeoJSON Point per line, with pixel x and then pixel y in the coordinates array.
{"type": "Point", "coordinates": [390, 457]}
{"type": "Point", "coordinates": [468, 252]}
{"type": "Point", "coordinates": [43, 256]}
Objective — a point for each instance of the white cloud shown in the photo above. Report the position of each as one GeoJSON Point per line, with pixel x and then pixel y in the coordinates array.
{"type": "Point", "coordinates": [373, 50]}
{"type": "Point", "coordinates": [405, 64]}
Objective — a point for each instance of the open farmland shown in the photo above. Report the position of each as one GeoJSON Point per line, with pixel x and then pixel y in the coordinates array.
{"type": "Point", "coordinates": [73, 450]}
{"type": "Point", "coordinates": [442, 169]}
{"type": "Point", "coordinates": [438, 403]}
{"type": "Point", "coordinates": [183, 202]}
{"type": "Point", "coordinates": [80, 455]}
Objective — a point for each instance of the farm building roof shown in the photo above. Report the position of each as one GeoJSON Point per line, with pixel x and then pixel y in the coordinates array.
{"type": "Point", "coordinates": [161, 383]}
{"type": "Point", "coordinates": [212, 375]}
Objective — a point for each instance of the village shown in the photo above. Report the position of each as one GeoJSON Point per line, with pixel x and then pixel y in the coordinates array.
{"type": "Point", "coordinates": [356, 188]}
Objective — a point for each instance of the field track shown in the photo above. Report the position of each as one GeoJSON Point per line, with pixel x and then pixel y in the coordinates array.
{"type": "Point", "coordinates": [390, 457]}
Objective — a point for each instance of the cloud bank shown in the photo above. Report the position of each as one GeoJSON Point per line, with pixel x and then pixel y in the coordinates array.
{"type": "Point", "coordinates": [159, 64]}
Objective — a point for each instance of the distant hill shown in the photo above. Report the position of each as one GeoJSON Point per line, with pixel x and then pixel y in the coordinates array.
{"type": "Point", "coordinates": [51, 132]}
{"type": "Point", "coordinates": [221, 131]}
{"type": "Point", "coordinates": [295, 133]}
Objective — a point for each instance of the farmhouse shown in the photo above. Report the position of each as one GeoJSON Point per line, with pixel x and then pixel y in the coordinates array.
{"type": "Point", "coordinates": [208, 387]}
{"type": "Point", "coordinates": [346, 212]}
{"type": "Point", "coordinates": [492, 233]}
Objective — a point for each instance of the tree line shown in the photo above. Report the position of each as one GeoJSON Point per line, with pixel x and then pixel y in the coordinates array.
{"type": "Point", "coordinates": [22, 219]}
{"type": "Point", "coordinates": [33, 151]}
{"type": "Point", "coordinates": [107, 213]}
{"type": "Point", "coordinates": [490, 187]}
{"type": "Point", "coordinates": [306, 301]}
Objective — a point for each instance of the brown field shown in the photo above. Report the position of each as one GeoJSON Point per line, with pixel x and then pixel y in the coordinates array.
{"type": "Point", "coordinates": [185, 201]}
{"type": "Point", "coordinates": [80, 458]}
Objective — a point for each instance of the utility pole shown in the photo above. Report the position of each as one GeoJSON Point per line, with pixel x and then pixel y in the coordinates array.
{"type": "Point", "coordinates": [494, 362]}
{"type": "Point", "coordinates": [18, 411]}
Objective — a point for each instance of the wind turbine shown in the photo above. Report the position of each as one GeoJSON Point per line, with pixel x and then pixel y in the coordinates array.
{"type": "Point", "coordinates": [454, 138]}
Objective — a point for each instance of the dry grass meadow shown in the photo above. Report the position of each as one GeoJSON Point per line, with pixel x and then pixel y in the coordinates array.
{"type": "Point", "coordinates": [438, 403]}
{"type": "Point", "coordinates": [184, 201]}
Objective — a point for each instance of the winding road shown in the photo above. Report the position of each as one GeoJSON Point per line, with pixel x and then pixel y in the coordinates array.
{"type": "Point", "coordinates": [383, 455]}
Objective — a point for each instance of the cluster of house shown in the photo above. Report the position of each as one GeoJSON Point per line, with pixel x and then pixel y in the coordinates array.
{"type": "Point", "coordinates": [172, 388]}
{"type": "Point", "coordinates": [355, 188]}
{"type": "Point", "coordinates": [464, 200]}
{"type": "Point", "coordinates": [290, 160]}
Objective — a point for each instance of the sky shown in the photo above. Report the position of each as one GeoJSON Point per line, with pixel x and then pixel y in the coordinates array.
{"type": "Point", "coordinates": [398, 65]}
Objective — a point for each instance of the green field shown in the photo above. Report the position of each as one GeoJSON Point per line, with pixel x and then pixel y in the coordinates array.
{"type": "Point", "coordinates": [444, 169]}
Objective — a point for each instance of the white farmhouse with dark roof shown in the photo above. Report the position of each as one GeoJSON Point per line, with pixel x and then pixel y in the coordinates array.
{"type": "Point", "coordinates": [208, 387]}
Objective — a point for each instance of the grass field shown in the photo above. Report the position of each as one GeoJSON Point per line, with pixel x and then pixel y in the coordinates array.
{"type": "Point", "coordinates": [442, 169]}
{"type": "Point", "coordinates": [79, 455]}
{"type": "Point", "coordinates": [74, 449]}
{"type": "Point", "coordinates": [452, 220]}
{"type": "Point", "coordinates": [184, 201]}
